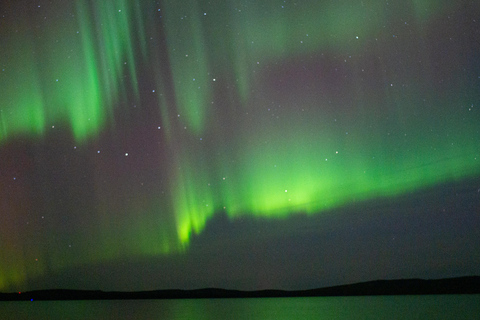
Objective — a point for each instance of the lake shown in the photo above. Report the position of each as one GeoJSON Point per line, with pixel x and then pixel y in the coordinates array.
{"type": "Point", "coordinates": [358, 307]}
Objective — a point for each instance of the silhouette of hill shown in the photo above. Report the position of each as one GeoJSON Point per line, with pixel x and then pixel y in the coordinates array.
{"type": "Point", "coordinates": [462, 285]}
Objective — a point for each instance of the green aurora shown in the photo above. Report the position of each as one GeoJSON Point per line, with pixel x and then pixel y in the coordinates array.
{"type": "Point", "coordinates": [269, 148]}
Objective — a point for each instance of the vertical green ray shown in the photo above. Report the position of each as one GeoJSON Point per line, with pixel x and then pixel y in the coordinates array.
{"type": "Point", "coordinates": [193, 196]}
{"type": "Point", "coordinates": [189, 63]}
{"type": "Point", "coordinates": [115, 27]}
{"type": "Point", "coordinates": [70, 77]}
{"type": "Point", "coordinates": [22, 108]}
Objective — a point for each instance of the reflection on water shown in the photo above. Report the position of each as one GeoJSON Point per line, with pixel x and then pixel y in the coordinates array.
{"type": "Point", "coordinates": [375, 307]}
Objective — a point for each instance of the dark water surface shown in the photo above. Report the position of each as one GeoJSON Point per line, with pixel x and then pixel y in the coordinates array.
{"type": "Point", "coordinates": [365, 307]}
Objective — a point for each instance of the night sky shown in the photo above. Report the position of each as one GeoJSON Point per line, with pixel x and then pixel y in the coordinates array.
{"type": "Point", "coordinates": [237, 144]}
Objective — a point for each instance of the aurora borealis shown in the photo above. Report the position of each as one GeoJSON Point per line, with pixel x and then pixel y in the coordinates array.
{"type": "Point", "coordinates": [237, 144]}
